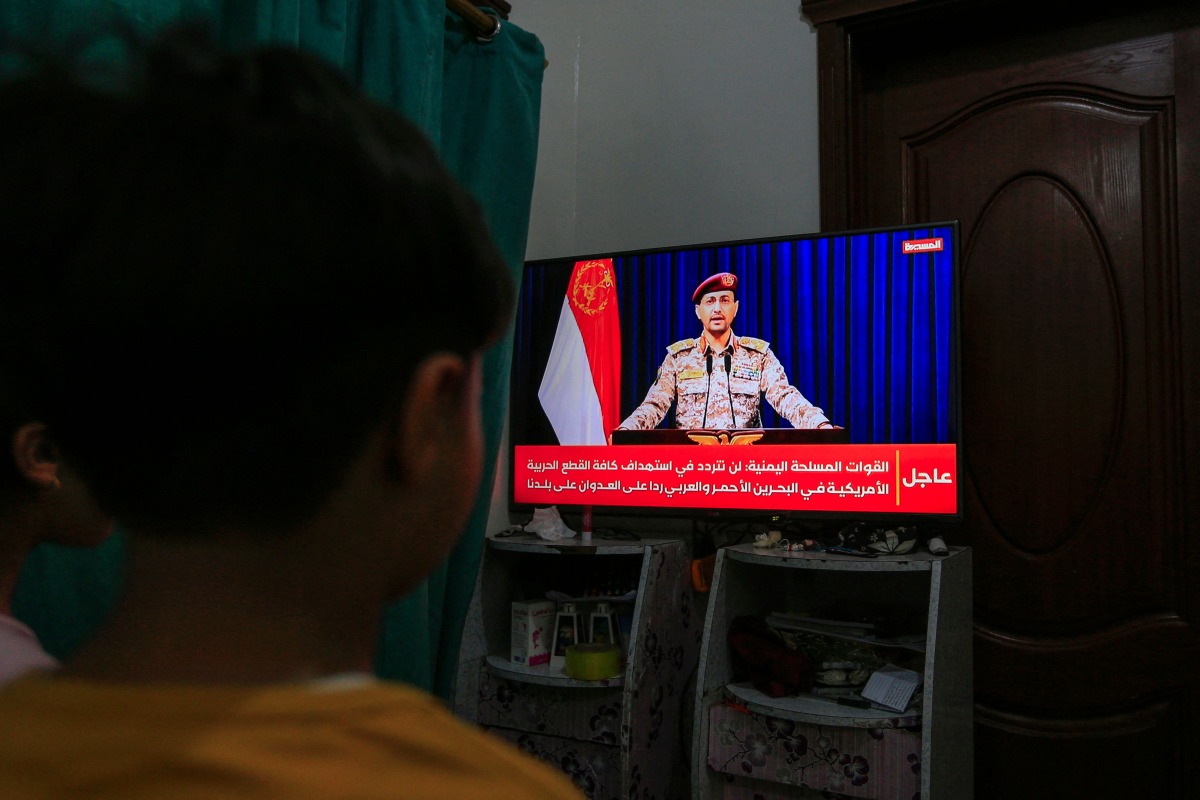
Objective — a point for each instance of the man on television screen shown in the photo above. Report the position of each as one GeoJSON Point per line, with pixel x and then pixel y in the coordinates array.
{"type": "Point", "coordinates": [717, 380]}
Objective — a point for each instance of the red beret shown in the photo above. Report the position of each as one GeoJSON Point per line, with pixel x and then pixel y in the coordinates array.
{"type": "Point", "coordinates": [720, 282]}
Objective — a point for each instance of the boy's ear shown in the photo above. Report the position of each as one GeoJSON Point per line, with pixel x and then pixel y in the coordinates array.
{"type": "Point", "coordinates": [35, 456]}
{"type": "Point", "coordinates": [432, 415]}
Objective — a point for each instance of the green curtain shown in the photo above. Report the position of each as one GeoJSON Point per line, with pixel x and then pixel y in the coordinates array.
{"type": "Point", "coordinates": [480, 103]}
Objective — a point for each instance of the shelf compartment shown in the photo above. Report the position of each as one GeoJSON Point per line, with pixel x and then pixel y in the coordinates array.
{"type": "Point", "coordinates": [806, 559]}
{"type": "Point", "coordinates": [545, 675]}
{"type": "Point", "coordinates": [594, 768]}
{"type": "Point", "coordinates": [877, 763]}
{"type": "Point", "coordinates": [592, 715]}
{"type": "Point", "coordinates": [821, 711]}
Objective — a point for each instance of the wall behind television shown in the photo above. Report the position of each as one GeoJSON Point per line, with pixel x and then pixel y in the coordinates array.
{"type": "Point", "coordinates": [670, 122]}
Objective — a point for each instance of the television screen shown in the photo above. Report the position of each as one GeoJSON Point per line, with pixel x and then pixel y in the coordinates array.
{"type": "Point", "coordinates": [810, 374]}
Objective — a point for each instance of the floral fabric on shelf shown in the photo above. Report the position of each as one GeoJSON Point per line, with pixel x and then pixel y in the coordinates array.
{"type": "Point", "coordinates": [877, 763]}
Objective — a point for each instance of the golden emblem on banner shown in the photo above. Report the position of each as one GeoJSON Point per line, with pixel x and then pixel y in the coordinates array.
{"type": "Point", "coordinates": [724, 437]}
{"type": "Point", "coordinates": [593, 286]}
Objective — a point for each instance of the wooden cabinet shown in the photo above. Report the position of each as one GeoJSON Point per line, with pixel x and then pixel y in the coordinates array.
{"type": "Point", "coordinates": [748, 744]}
{"type": "Point", "coordinates": [616, 738]}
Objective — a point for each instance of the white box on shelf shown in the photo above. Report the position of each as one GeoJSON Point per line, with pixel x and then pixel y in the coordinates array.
{"type": "Point", "coordinates": [532, 633]}
{"type": "Point", "coordinates": [892, 687]}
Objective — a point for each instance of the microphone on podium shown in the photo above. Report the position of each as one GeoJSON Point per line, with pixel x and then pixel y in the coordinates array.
{"type": "Point", "coordinates": [729, 388]}
{"type": "Point", "coordinates": [707, 387]}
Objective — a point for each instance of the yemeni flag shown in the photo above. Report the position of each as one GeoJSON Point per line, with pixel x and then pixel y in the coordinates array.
{"type": "Point", "coordinates": [580, 391]}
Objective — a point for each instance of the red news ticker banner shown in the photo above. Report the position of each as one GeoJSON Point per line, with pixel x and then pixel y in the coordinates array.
{"type": "Point", "coordinates": [897, 478]}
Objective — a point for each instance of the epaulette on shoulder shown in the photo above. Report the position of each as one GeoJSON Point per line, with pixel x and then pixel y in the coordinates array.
{"type": "Point", "coordinates": [682, 344]}
{"type": "Point", "coordinates": [750, 343]}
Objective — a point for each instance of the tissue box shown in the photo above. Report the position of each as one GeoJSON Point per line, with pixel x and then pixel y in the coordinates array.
{"type": "Point", "coordinates": [532, 631]}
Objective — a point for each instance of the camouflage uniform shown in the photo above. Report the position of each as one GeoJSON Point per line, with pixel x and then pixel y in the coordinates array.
{"type": "Point", "coordinates": [754, 371]}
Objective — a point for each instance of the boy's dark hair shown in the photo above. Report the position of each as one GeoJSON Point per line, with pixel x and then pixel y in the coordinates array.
{"type": "Point", "coordinates": [223, 274]}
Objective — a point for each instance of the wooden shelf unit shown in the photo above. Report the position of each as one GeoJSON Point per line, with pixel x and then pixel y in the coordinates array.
{"type": "Point", "coordinates": [616, 738]}
{"type": "Point", "coordinates": [755, 582]}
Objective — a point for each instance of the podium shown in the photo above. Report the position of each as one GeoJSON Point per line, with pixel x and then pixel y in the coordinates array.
{"type": "Point", "coordinates": [735, 436]}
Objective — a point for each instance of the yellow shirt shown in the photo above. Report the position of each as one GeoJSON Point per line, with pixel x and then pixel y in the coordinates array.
{"type": "Point", "coordinates": [66, 738]}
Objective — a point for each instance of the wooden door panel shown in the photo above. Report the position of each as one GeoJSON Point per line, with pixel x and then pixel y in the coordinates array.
{"type": "Point", "coordinates": [1052, 413]}
{"type": "Point", "coordinates": [1122, 757]}
{"type": "Point", "coordinates": [1051, 182]}
{"type": "Point", "coordinates": [1058, 147]}
{"type": "Point", "coordinates": [1061, 271]}
{"type": "Point", "coordinates": [1055, 337]}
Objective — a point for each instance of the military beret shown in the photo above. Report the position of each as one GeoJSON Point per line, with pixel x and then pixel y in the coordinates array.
{"type": "Point", "coordinates": [720, 282]}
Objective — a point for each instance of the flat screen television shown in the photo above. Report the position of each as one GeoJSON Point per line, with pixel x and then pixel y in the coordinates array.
{"type": "Point", "coordinates": [808, 375]}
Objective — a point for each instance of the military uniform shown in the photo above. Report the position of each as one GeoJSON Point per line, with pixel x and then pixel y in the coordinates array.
{"type": "Point", "coordinates": [720, 400]}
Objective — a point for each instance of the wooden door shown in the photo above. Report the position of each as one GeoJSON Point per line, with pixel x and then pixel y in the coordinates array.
{"type": "Point", "coordinates": [1066, 139]}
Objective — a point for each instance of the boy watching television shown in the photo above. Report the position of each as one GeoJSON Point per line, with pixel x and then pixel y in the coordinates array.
{"type": "Point", "coordinates": [252, 307]}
